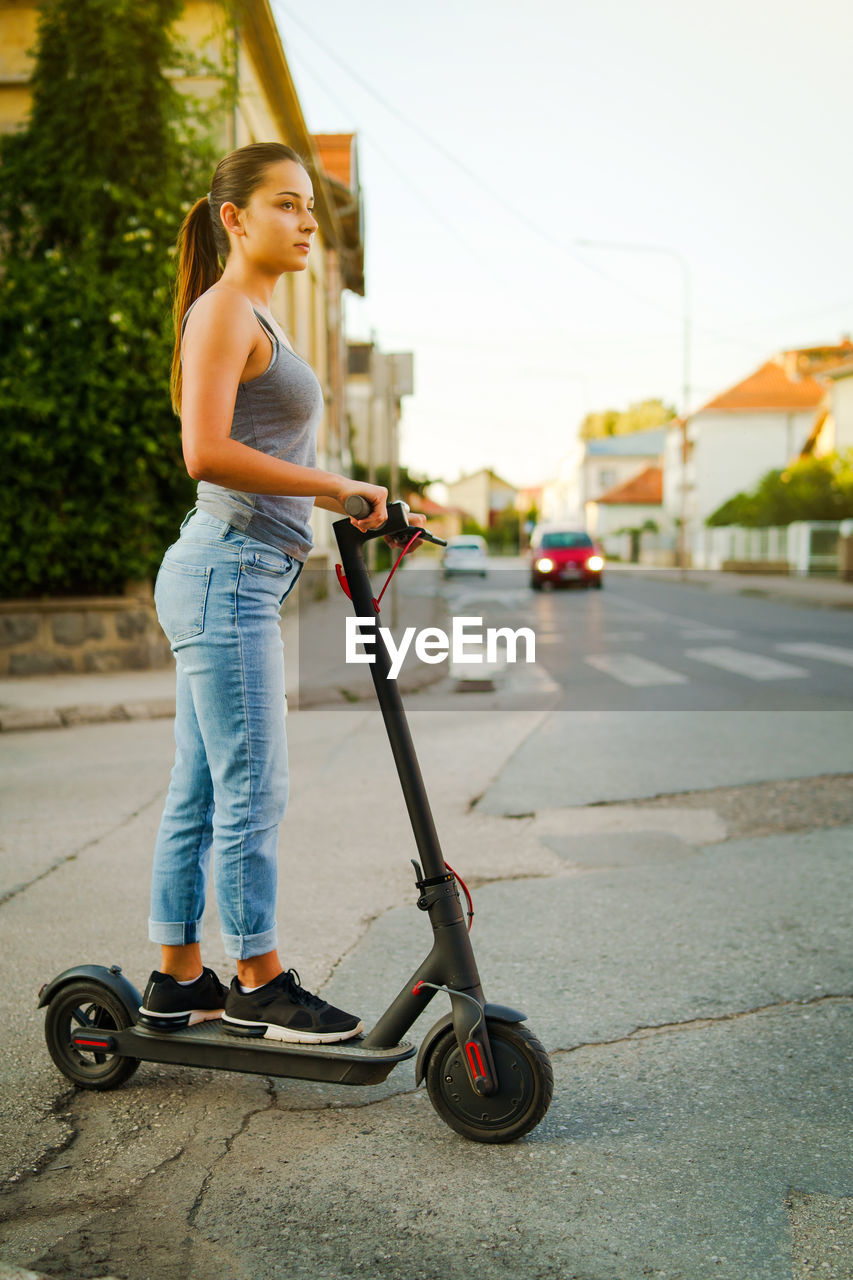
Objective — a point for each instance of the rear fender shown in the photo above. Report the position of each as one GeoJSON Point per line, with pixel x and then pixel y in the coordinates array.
{"type": "Point", "coordinates": [112, 978]}
{"type": "Point", "coordinates": [499, 1012]}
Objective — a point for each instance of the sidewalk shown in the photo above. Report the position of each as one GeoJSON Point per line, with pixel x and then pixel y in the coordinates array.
{"type": "Point", "coordinates": [814, 593]}
{"type": "Point", "coordinates": [317, 674]}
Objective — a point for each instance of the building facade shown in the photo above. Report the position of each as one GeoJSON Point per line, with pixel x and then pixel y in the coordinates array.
{"type": "Point", "coordinates": [483, 495]}
{"type": "Point", "coordinates": [593, 467]}
{"type": "Point", "coordinates": [836, 432]}
{"type": "Point", "coordinates": [755, 426]}
{"type": "Point", "coordinates": [629, 521]}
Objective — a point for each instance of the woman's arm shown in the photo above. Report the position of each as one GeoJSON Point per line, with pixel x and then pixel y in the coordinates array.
{"type": "Point", "coordinates": [330, 504]}
{"type": "Point", "coordinates": [219, 338]}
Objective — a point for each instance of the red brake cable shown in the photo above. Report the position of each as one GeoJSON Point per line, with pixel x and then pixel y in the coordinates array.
{"type": "Point", "coordinates": [466, 892]}
{"type": "Point", "coordinates": [342, 578]}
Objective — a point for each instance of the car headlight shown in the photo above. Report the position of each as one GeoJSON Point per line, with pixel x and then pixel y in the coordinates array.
{"type": "Point", "coordinates": [595, 563]}
{"type": "Point", "coordinates": [544, 565]}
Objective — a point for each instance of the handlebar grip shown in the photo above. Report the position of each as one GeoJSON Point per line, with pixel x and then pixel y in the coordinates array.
{"type": "Point", "coordinates": [357, 506]}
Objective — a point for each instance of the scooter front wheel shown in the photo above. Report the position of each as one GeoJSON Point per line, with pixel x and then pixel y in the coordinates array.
{"type": "Point", "coordinates": [87, 1006]}
{"type": "Point", "coordinates": [525, 1085]}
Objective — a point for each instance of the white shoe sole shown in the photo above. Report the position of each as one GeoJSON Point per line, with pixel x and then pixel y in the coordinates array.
{"type": "Point", "coordinates": [196, 1016]}
{"type": "Point", "coordinates": [286, 1036]}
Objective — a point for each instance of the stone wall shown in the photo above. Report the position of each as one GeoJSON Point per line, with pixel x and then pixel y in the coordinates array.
{"type": "Point", "coordinates": [104, 633]}
{"type": "Point", "coordinates": [47, 637]}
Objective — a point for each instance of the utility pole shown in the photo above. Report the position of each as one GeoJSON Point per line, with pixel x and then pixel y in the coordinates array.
{"type": "Point", "coordinates": [373, 373]}
{"type": "Point", "coordinates": [399, 382]}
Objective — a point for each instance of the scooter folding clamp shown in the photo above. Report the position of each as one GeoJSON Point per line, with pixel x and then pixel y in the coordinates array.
{"type": "Point", "coordinates": [434, 889]}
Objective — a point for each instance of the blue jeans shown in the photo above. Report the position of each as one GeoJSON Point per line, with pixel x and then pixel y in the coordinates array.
{"type": "Point", "coordinates": [218, 596]}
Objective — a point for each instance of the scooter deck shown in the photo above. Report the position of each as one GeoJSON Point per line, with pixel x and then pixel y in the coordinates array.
{"type": "Point", "coordinates": [207, 1045]}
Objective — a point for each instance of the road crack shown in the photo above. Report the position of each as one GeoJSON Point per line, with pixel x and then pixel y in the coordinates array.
{"type": "Point", "coordinates": [271, 1105]}
{"type": "Point", "coordinates": [700, 1024]}
{"type": "Point", "coordinates": [21, 1176]}
{"type": "Point", "coordinates": [76, 853]}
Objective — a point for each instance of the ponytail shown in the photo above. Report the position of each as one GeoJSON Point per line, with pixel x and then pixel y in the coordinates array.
{"type": "Point", "coordinates": [198, 268]}
{"type": "Point", "coordinates": [203, 243]}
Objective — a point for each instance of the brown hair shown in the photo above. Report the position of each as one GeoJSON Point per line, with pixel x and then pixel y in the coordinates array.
{"type": "Point", "coordinates": [203, 243]}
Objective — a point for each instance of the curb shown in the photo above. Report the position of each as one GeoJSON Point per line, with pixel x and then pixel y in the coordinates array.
{"type": "Point", "coordinates": [767, 593]}
{"type": "Point", "coordinates": [761, 592]}
{"type": "Point", "coordinates": [17, 719]}
{"type": "Point", "coordinates": [22, 719]}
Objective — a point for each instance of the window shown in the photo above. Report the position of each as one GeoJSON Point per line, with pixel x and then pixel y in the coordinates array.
{"type": "Point", "coordinates": [358, 357]}
{"type": "Point", "coordinates": [564, 540]}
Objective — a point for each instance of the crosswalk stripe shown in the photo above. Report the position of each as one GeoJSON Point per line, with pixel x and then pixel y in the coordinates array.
{"type": "Point", "coordinates": [620, 637]}
{"type": "Point", "coordinates": [633, 670]}
{"type": "Point", "coordinates": [825, 652]}
{"type": "Point", "coordinates": [754, 666]}
{"type": "Point", "coordinates": [707, 633]}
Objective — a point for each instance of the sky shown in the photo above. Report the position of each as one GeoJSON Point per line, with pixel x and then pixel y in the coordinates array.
{"type": "Point", "coordinates": [494, 137]}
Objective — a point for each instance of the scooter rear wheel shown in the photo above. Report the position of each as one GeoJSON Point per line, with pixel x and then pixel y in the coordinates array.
{"type": "Point", "coordinates": [525, 1085]}
{"type": "Point", "coordinates": [90, 1006]}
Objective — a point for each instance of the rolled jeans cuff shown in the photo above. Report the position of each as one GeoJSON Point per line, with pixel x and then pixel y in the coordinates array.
{"type": "Point", "coordinates": [244, 946]}
{"type": "Point", "coordinates": [174, 933]}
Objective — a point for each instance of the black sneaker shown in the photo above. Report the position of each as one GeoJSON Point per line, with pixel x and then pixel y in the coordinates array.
{"type": "Point", "coordinates": [282, 1010]}
{"type": "Point", "coordinates": [167, 1006]}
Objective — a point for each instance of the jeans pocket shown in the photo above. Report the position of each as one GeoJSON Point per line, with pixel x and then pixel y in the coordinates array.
{"type": "Point", "coordinates": [266, 560]}
{"type": "Point", "coordinates": [180, 597]}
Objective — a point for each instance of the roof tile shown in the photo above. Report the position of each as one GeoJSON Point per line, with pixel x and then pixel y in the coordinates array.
{"type": "Point", "coordinates": [643, 489]}
{"type": "Point", "coordinates": [786, 381]}
{"type": "Point", "coordinates": [335, 154]}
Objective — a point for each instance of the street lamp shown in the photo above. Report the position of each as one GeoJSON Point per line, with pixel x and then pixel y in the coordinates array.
{"type": "Point", "coordinates": [685, 396]}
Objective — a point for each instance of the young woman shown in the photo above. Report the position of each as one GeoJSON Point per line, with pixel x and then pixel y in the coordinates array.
{"type": "Point", "coordinates": [249, 409]}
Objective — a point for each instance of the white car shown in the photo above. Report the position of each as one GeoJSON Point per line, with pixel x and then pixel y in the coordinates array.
{"type": "Point", "coordinates": [466, 553]}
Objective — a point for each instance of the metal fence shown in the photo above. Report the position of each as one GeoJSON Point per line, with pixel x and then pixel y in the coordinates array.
{"type": "Point", "coordinates": [802, 548]}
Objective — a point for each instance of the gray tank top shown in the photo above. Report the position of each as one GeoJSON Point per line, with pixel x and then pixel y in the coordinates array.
{"type": "Point", "coordinates": [277, 413]}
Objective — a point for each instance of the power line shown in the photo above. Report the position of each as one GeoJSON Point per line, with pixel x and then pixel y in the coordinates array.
{"type": "Point", "coordinates": [395, 168]}
{"type": "Point", "coordinates": [560, 245]}
{"type": "Point", "coordinates": [808, 315]}
{"type": "Point", "coordinates": [459, 164]}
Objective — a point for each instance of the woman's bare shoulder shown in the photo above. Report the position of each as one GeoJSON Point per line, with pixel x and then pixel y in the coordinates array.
{"type": "Point", "coordinates": [225, 311]}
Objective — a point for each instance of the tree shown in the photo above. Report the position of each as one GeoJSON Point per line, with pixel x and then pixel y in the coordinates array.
{"type": "Point", "coordinates": [646, 415]}
{"type": "Point", "coordinates": [504, 534]}
{"type": "Point", "coordinates": [810, 489]}
{"type": "Point", "coordinates": [635, 533]}
{"type": "Point", "coordinates": [407, 482]}
{"type": "Point", "coordinates": [94, 188]}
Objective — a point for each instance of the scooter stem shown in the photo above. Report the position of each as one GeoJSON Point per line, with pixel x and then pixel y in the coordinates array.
{"type": "Point", "coordinates": [350, 542]}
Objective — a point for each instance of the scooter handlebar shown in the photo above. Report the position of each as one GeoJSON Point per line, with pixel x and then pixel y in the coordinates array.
{"type": "Point", "coordinates": [357, 506]}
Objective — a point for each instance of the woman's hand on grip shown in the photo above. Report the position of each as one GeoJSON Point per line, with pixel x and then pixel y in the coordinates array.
{"type": "Point", "coordinates": [375, 494]}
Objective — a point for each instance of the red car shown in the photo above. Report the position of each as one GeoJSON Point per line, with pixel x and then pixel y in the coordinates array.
{"type": "Point", "coordinates": [560, 555]}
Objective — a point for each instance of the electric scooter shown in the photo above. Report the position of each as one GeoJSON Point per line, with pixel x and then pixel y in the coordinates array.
{"type": "Point", "coordinates": [486, 1074]}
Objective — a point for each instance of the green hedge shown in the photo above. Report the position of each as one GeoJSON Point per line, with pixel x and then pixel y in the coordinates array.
{"type": "Point", "coordinates": [809, 489]}
{"type": "Point", "coordinates": [92, 192]}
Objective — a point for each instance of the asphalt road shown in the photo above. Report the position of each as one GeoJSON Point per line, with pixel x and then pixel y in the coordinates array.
{"type": "Point", "coordinates": [643, 643]}
{"type": "Point", "coordinates": [662, 886]}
